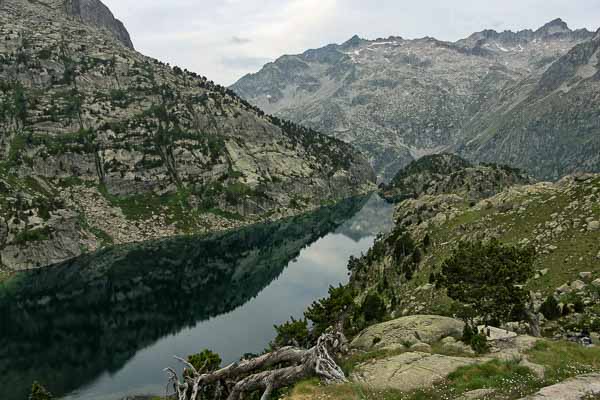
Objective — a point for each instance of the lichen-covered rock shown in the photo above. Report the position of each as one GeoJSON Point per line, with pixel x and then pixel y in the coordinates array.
{"type": "Point", "coordinates": [408, 371]}
{"type": "Point", "coordinates": [496, 334]}
{"type": "Point", "coordinates": [408, 330]}
{"type": "Point", "coordinates": [585, 275]}
{"type": "Point", "coordinates": [578, 285]}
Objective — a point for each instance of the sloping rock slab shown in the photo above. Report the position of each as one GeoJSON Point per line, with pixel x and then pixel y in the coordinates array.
{"type": "Point", "coordinates": [408, 371]}
{"type": "Point", "coordinates": [572, 389]}
{"type": "Point", "coordinates": [412, 329]}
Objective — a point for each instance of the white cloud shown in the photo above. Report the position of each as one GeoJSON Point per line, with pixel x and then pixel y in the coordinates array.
{"type": "Point", "coordinates": [225, 39]}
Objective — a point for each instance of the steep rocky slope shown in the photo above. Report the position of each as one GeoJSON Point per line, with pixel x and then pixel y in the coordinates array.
{"type": "Point", "coordinates": [561, 220]}
{"type": "Point", "coordinates": [401, 99]}
{"type": "Point", "coordinates": [101, 145]}
{"type": "Point", "coordinates": [548, 124]}
{"type": "Point", "coordinates": [95, 13]}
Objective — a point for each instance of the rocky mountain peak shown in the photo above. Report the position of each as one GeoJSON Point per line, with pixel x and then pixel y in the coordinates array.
{"type": "Point", "coordinates": [96, 13]}
{"type": "Point", "coordinates": [553, 27]}
{"type": "Point", "coordinates": [353, 41]}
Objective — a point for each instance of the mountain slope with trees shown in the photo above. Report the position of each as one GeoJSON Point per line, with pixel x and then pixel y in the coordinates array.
{"type": "Point", "coordinates": [102, 145]}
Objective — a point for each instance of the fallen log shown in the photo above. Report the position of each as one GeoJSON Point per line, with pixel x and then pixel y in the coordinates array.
{"type": "Point", "coordinates": [258, 374]}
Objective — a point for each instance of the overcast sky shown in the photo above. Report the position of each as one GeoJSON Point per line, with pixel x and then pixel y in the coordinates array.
{"type": "Point", "coordinates": [225, 39]}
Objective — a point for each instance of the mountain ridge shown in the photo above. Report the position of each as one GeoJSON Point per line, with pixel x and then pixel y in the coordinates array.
{"type": "Point", "coordinates": [448, 173]}
{"type": "Point", "coordinates": [398, 99]}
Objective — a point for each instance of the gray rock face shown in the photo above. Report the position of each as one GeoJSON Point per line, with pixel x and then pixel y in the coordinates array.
{"type": "Point", "coordinates": [66, 240]}
{"type": "Point", "coordinates": [400, 99]}
{"type": "Point", "coordinates": [95, 13]}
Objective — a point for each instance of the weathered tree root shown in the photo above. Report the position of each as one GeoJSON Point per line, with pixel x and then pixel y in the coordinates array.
{"type": "Point", "coordinates": [240, 377]}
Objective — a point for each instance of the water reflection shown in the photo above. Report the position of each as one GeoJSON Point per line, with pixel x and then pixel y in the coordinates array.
{"type": "Point", "coordinates": [106, 324]}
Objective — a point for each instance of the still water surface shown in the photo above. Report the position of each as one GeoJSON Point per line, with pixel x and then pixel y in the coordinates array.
{"type": "Point", "coordinates": [104, 326]}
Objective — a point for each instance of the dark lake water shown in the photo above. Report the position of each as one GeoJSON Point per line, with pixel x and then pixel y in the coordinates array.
{"type": "Point", "coordinates": [105, 325]}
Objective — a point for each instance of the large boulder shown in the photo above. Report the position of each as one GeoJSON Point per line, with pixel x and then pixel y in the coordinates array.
{"type": "Point", "coordinates": [594, 226]}
{"type": "Point", "coordinates": [408, 330]}
{"type": "Point", "coordinates": [408, 371]}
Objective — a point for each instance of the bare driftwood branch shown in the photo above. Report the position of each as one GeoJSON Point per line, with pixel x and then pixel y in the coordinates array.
{"type": "Point", "coordinates": [257, 374]}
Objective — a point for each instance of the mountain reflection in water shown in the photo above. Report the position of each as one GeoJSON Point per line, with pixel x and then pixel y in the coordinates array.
{"type": "Point", "coordinates": [104, 325]}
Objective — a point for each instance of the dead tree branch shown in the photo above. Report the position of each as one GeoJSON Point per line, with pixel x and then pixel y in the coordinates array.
{"type": "Point", "coordinates": [258, 374]}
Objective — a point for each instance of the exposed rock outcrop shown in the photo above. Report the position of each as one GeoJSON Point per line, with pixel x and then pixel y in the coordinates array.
{"type": "Point", "coordinates": [95, 13]}
{"type": "Point", "coordinates": [408, 330]}
{"type": "Point", "coordinates": [530, 123]}
{"type": "Point", "coordinates": [409, 371]}
{"type": "Point", "coordinates": [3, 231]}
{"type": "Point", "coordinates": [419, 369]}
